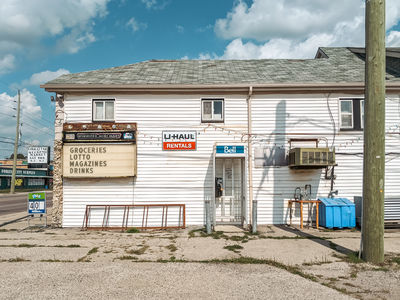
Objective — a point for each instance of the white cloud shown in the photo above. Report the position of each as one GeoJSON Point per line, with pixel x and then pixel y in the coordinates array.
{"type": "Point", "coordinates": [393, 39]}
{"type": "Point", "coordinates": [43, 77]}
{"type": "Point", "coordinates": [135, 25]}
{"type": "Point", "coordinates": [30, 111]}
{"type": "Point", "coordinates": [154, 4]}
{"type": "Point", "coordinates": [180, 28]}
{"type": "Point", "coordinates": [23, 24]}
{"type": "Point", "coordinates": [296, 28]}
{"type": "Point", "coordinates": [7, 63]}
{"type": "Point", "coordinates": [149, 3]}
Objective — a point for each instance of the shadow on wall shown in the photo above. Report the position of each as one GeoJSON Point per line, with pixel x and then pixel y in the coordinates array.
{"type": "Point", "coordinates": [278, 181]}
{"type": "Point", "coordinates": [208, 187]}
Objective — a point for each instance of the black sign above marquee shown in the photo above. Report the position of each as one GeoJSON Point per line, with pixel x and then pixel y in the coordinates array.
{"type": "Point", "coordinates": [87, 136]}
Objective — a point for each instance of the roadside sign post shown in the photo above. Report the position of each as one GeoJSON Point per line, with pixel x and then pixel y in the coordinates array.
{"type": "Point", "coordinates": [37, 205]}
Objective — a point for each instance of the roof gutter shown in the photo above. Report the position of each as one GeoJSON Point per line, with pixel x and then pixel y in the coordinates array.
{"type": "Point", "coordinates": [355, 87]}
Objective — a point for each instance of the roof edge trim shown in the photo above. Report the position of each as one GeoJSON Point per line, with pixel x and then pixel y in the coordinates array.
{"type": "Point", "coordinates": [240, 88]}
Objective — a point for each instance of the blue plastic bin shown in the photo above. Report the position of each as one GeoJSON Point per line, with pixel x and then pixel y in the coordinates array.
{"type": "Point", "coordinates": [337, 213]}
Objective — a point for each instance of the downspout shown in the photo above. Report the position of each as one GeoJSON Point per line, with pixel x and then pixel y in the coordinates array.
{"type": "Point", "coordinates": [250, 155]}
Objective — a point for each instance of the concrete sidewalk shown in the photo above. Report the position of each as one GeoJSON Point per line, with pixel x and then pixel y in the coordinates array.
{"type": "Point", "coordinates": [325, 258]}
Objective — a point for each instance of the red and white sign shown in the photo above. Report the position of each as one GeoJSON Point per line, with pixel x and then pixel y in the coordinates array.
{"type": "Point", "coordinates": [179, 140]}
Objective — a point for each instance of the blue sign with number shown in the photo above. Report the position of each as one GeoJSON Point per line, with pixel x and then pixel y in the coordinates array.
{"type": "Point", "coordinates": [230, 149]}
{"type": "Point", "coordinates": [37, 203]}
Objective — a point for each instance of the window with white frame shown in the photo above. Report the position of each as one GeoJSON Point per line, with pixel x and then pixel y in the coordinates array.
{"type": "Point", "coordinates": [212, 110]}
{"type": "Point", "coordinates": [362, 113]}
{"type": "Point", "coordinates": [351, 114]}
{"type": "Point", "coordinates": [103, 110]}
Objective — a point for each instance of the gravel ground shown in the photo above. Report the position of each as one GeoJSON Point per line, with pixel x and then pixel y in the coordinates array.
{"type": "Point", "coordinates": [155, 281]}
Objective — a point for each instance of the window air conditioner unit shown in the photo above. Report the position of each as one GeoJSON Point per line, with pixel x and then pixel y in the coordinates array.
{"type": "Point", "coordinates": [311, 157]}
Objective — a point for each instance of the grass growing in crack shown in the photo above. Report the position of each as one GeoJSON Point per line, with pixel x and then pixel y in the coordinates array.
{"type": "Point", "coordinates": [250, 260]}
{"type": "Point", "coordinates": [395, 260]}
{"type": "Point", "coordinates": [351, 257]}
{"type": "Point", "coordinates": [132, 230]}
{"type": "Point", "coordinates": [127, 257]}
{"type": "Point", "coordinates": [139, 251]}
{"type": "Point", "coordinates": [192, 233]}
{"type": "Point", "coordinates": [171, 247]}
{"type": "Point", "coordinates": [234, 248]}
{"type": "Point", "coordinates": [55, 260]}
{"type": "Point", "coordinates": [349, 284]}
{"type": "Point", "coordinates": [68, 246]}
{"type": "Point", "coordinates": [84, 259]}
{"type": "Point", "coordinates": [317, 262]}
{"type": "Point", "coordinates": [382, 269]}
{"type": "Point", "coordinates": [17, 259]}
{"type": "Point", "coordinates": [93, 250]}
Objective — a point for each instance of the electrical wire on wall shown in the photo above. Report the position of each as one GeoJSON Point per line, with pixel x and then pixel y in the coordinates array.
{"type": "Point", "coordinates": [332, 120]}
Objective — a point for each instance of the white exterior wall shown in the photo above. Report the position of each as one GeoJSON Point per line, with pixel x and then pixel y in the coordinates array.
{"type": "Point", "coordinates": [182, 177]}
{"type": "Point", "coordinates": [186, 177]}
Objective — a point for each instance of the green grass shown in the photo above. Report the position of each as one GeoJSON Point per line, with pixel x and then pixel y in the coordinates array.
{"type": "Point", "coordinates": [55, 260]}
{"type": "Point", "coordinates": [234, 248]}
{"type": "Point", "coordinates": [396, 260]}
{"type": "Point", "coordinates": [171, 247]}
{"type": "Point", "coordinates": [93, 250]}
{"type": "Point", "coordinates": [17, 259]}
{"type": "Point", "coordinates": [68, 246]}
{"type": "Point", "coordinates": [132, 230]}
{"type": "Point", "coordinates": [24, 245]}
{"type": "Point", "coordinates": [127, 257]}
{"type": "Point", "coordinates": [84, 259]}
{"type": "Point", "coordinates": [250, 260]}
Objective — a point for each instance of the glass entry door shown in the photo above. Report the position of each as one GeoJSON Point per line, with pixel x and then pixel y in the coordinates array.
{"type": "Point", "coordinates": [229, 195]}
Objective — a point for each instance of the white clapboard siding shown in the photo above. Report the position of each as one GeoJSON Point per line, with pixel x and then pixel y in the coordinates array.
{"type": "Point", "coordinates": [182, 177]}
{"type": "Point", "coordinates": [185, 177]}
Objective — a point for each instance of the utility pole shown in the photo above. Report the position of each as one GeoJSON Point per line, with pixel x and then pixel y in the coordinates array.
{"type": "Point", "coordinates": [14, 170]}
{"type": "Point", "coordinates": [374, 133]}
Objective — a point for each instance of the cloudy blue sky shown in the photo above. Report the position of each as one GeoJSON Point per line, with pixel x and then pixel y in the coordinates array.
{"type": "Point", "coordinates": [42, 39]}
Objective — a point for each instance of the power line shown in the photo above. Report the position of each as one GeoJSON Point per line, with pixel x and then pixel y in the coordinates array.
{"type": "Point", "coordinates": [41, 129]}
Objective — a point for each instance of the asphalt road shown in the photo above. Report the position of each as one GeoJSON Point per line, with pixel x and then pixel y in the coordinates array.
{"type": "Point", "coordinates": [10, 204]}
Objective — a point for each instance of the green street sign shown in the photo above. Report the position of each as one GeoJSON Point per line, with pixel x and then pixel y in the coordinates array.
{"type": "Point", "coordinates": [37, 196]}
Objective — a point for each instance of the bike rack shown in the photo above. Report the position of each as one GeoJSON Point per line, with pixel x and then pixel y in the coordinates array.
{"type": "Point", "coordinates": [126, 216]}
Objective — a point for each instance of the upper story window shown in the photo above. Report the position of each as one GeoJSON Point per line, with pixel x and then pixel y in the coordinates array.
{"type": "Point", "coordinates": [212, 110]}
{"type": "Point", "coordinates": [351, 114]}
{"type": "Point", "coordinates": [103, 110]}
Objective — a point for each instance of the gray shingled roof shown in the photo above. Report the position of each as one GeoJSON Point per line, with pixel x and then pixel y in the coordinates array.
{"type": "Point", "coordinates": [334, 65]}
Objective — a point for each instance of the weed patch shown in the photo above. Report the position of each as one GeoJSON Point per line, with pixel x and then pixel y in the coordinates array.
{"type": "Point", "coordinates": [139, 251]}
{"type": "Point", "coordinates": [68, 246]}
{"type": "Point", "coordinates": [234, 248]}
{"type": "Point", "coordinates": [171, 247]}
{"type": "Point", "coordinates": [17, 259]}
{"type": "Point", "coordinates": [93, 250]}
{"type": "Point", "coordinates": [55, 260]}
{"type": "Point", "coordinates": [84, 259]}
{"type": "Point", "coordinates": [132, 230]}
{"type": "Point", "coordinates": [127, 257]}
{"type": "Point", "coordinates": [250, 260]}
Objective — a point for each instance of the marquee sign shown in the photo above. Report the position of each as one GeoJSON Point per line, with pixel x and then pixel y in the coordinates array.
{"type": "Point", "coordinates": [128, 136]}
{"type": "Point", "coordinates": [99, 160]}
{"type": "Point", "coordinates": [179, 140]}
{"type": "Point", "coordinates": [38, 155]}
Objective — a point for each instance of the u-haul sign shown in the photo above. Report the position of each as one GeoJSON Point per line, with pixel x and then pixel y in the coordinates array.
{"type": "Point", "coordinates": [179, 140]}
